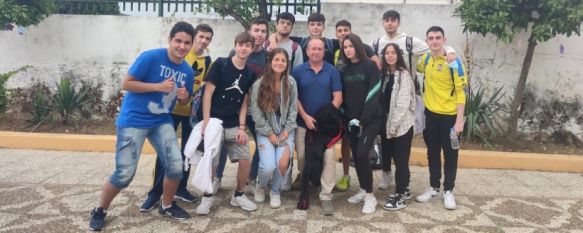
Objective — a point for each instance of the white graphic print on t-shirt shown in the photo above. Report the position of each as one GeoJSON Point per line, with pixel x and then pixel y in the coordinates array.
{"type": "Point", "coordinates": [167, 98]}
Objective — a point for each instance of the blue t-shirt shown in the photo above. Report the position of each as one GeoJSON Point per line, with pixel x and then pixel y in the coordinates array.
{"type": "Point", "coordinates": [315, 90]}
{"type": "Point", "coordinates": [232, 85]}
{"type": "Point", "coordinates": [152, 109]}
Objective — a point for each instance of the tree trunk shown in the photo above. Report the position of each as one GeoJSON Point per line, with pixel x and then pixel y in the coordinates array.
{"type": "Point", "coordinates": [263, 10]}
{"type": "Point", "coordinates": [519, 92]}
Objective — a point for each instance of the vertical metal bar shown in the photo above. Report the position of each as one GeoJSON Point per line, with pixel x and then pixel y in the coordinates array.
{"type": "Point", "coordinates": [160, 8]}
{"type": "Point", "coordinates": [286, 5]}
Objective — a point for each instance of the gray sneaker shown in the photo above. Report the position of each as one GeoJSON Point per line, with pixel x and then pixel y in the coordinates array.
{"type": "Point", "coordinates": [327, 207]}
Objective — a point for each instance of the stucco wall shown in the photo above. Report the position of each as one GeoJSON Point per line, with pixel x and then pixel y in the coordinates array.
{"type": "Point", "coordinates": [100, 49]}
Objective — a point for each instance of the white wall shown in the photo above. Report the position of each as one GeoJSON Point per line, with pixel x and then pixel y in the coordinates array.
{"type": "Point", "coordinates": [100, 49]}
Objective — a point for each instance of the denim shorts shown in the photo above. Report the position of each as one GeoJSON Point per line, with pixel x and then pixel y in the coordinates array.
{"type": "Point", "coordinates": [129, 147]}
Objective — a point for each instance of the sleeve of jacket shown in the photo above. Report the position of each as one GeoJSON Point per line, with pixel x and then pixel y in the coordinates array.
{"type": "Point", "coordinates": [292, 112]}
{"type": "Point", "coordinates": [372, 102]}
{"type": "Point", "coordinates": [460, 82]}
{"type": "Point", "coordinates": [403, 99]}
{"type": "Point", "coordinates": [261, 124]}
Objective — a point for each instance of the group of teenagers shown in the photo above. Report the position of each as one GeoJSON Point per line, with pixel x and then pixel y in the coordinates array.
{"type": "Point", "coordinates": [289, 93]}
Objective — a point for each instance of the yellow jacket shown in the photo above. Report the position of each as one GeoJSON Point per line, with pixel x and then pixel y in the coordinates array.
{"type": "Point", "coordinates": [441, 95]}
{"type": "Point", "coordinates": [200, 70]}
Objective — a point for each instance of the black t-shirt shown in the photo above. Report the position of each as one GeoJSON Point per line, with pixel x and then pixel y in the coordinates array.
{"type": "Point", "coordinates": [232, 85]}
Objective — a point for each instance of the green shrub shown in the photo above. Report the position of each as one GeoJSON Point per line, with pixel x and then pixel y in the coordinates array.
{"type": "Point", "coordinates": [40, 106]}
{"type": "Point", "coordinates": [480, 115]}
{"type": "Point", "coordinates": [67, 100]}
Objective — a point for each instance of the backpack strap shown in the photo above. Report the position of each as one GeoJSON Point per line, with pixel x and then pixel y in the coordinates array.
{"type": "Point", "coordinates": [207, 64]}
{"type": "Point", "coordinates": [409, 47]}
{"type": "Point", "coordinates": [293, 55]}
{"type": "Point", "coordinates": [425, 67]}
{"type": "Point", "coordinates": [452, 81]}
{"type": "Point", "coordinates": [375, 45]}
{"type": "Point", "coordinates": [330, 46]}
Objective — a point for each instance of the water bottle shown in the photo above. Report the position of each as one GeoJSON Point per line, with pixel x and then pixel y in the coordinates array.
{"type": "Point", "coordinates": [455, 142]}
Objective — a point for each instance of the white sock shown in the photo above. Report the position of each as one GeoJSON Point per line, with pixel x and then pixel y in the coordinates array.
{"type": "Point", "coordinates": [166, 206]}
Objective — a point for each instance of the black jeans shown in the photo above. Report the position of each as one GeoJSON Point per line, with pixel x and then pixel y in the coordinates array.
{"type": "Point", "coordinates": [436, 136]}
{"type": "Point", "coordinates": [399, 149]}
{"type": "Point", "coordinates": [157, 187]}
{"type": "Point", "coordinates": [360, 144]}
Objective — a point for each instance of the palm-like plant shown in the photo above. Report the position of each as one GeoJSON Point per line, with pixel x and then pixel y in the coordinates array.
{"type": "Point", "coordinates": [480, 115]}
{"type": "Point", "coordinates": [67, 100]}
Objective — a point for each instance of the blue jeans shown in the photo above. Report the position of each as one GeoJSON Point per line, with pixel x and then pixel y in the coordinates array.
{"type": "Point", "coordinates": [254, 161]}
{"type": "Point", "coordinates": [129, 147]}
{"type": "Point", "coordinates": [270, 155]}
{"type": "Point", "coordinates": [157, 186]}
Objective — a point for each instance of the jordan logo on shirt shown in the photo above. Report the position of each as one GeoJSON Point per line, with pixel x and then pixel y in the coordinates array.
{"type": "Point", "coordinates": [235, 85]}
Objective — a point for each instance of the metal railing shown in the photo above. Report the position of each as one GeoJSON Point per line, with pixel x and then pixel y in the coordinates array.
{"type": "Point", "coordinates": [192, 6]}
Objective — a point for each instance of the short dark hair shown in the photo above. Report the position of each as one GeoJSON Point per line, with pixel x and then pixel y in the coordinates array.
{"type": "Point", "coordinates": [182, 27]}
{"type": "Point", "coordinates": [316, 17]}
{"type": "Point", "coordinates": [435, 29]}
{"type": "Point", "coordinates": [286, 16]}
{"type": "Point", "coordinates": [344, 23]}
{"type": "Point", "coordinates": [392, 14]}
{"type": "Point", "coordinates": [203, 27]}
{"type": "Point", "coordinates": [260, 20]}
{"type": "Point", "coordinates": [244, 37]}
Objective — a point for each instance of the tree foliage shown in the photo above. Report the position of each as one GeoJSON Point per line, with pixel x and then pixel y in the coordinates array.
{"type": "Point", "coordinates": [87, 8]}
{"type": "Point", "coordinates": [25, 12]}
{"type": "Point", "coordinates": [245, 11]}
{"type": "Point", "coordinates": [541, 19]}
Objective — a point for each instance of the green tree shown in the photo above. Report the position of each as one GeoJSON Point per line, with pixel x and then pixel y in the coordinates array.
{"type": "Point", "coordinates": [87, 7]}
{"type": "Point", "coordinates": [24, 12]}
{"type": "Point", "coordinates": [245, 11]}
{"type": "Point", "coordinates": [541, 19]}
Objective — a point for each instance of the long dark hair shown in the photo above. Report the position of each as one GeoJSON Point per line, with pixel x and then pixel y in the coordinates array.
{"type": "Point", "coordinates": [265, 98]}
{"type": "Point", "coordinates": [358, 49]}
{"type": "Point", "coordinates": [400, 60]}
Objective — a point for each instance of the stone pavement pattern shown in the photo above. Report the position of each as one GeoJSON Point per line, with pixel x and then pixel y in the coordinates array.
{"type": "Point", "coordinates": [53, 191]}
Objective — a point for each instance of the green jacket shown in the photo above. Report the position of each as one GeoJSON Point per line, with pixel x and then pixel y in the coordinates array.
{"type": "Point", "coordinates": [265, 121]}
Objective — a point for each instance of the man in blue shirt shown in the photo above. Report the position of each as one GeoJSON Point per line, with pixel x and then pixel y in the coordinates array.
{"type": "Point", "coordinates": [319, 84]}
{"type": "Point", "coordinates": [154, 82]}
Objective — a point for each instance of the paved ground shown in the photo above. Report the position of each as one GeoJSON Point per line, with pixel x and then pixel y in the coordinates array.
{"type": "Point", "coordinates": [53, 191]}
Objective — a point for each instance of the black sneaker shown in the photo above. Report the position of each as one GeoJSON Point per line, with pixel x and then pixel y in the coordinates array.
{"type": "Point", "coordinates": [174, 211]}
{"type": "Point", "coordinates": [97, 219]}
{"type": "Point", "coordinates": [398, 202]}
{"type": "Point", "coordinates": [185, 196]}
{"type": "Point", "coordinates": [149, 203]}
{"type": "Point", "coordinates": [406, 194]}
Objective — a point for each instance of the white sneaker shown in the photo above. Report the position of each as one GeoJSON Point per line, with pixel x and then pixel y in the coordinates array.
{"type": "Point", "coordinates": [370, 204]}
{"type": "Point", "coordinates": [250, 188]}
{"type": "Point", "coordinates": [449, 200]}
{"type": "Point", "coordinates": [205, 205]}
{"type": "Point", "coordinates": [243, 202]}
{"type": "Point", "coordinates": [386, 179]}
{"type": "Point", "coordinates": [427, 195]}
{"type": "Point", "coordinates": [287, 183]}
{"type": "Point", "coordinates": [216, 185]}
{"type": "Point", "coordinates": [358, 197]}
{"type": "Point", "coordinates": [259, 194]}
{"type": "Point", "coordinates": [274, 200]}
